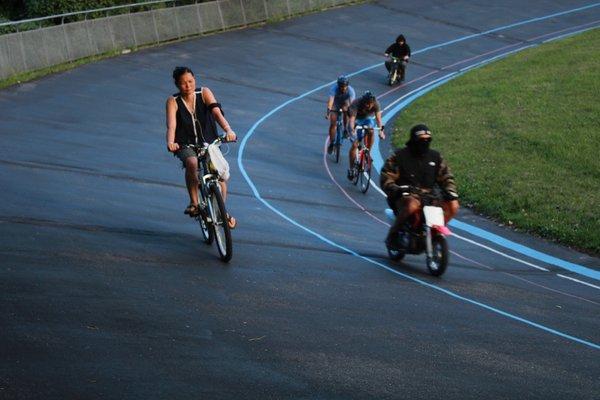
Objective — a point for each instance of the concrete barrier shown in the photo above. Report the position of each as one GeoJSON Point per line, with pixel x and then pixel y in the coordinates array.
{"type": "Point", "coordinates": [45, 47]}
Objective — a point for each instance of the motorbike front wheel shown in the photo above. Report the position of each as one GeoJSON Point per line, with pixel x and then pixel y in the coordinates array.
{"type": "Point", "coordinates": [438, 262]}
{"type": "Point", "coordinates": [392, 77]}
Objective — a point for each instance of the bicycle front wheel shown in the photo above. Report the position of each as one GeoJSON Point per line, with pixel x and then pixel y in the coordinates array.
{"type": "Point", "coordinates": [365, 172]}
{"type": "Point", "coordinates": [205, 228]}
{"type": "Point", "coordinates": [220, 224]}
{"type": "Point", "coordinates": [338, 144]}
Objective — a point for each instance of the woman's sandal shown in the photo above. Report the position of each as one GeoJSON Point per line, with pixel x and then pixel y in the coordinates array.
{"type": "Point", "coordinates": [192, 210]}
{"type": "Point", "coordinates": [232, 222]}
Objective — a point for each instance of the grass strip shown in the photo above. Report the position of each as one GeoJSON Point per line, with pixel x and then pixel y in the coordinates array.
{"type": "Point", "coordinates": [522, 136]}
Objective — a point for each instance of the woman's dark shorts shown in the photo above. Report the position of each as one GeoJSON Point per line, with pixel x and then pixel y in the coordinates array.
{"type": "Point", "coordinates": [184, 153]}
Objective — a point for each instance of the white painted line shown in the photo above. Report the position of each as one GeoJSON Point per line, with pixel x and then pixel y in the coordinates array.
{"type": "Point", "coordinates": [499, 252]}
{"type": "Point", "coordinates": [578, 281]}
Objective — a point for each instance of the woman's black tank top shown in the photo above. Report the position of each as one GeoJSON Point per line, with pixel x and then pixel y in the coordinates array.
{"type": "Point", "coordinates": [194, 129]}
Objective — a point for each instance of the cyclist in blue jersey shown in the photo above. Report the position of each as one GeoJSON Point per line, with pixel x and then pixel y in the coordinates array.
{"type": "Point", "coordinates": [364, 111]}
{"type": "Point", "coordinates": [341, 95]}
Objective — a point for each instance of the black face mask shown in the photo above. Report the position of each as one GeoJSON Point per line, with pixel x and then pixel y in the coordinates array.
{"type": "Point", "coordinates": [419, 147]}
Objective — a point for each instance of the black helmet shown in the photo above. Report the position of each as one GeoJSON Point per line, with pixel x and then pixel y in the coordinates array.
{"type": "Point", "coordinates": [343, 80]}
{"type": "Point", "coordinates": [368, 96]}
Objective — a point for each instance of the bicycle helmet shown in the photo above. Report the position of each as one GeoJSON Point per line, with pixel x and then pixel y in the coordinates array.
{"type": "Point", "coordinates": [368, 96]}
{"type": "Point", "coordinates": [343, 80]}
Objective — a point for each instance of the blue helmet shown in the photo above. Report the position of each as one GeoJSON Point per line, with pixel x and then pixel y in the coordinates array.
{"type": "Point", "coordinates": [343, 80]}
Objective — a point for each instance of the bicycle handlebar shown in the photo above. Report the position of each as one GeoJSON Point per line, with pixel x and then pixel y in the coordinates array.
{"type": "Point", "coordinates": [220, 139]}
{"type": "Point", "coordinates": [365, 127]}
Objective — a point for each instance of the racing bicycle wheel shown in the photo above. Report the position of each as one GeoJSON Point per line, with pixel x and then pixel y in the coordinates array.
{"type": "Point", "coordinates": [365, 171]}
{"type": "Point", "coordinates": [337, 144]}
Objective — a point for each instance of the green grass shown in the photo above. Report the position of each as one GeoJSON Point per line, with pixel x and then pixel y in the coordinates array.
{"type": "Point", "coordinates": [522, 136]}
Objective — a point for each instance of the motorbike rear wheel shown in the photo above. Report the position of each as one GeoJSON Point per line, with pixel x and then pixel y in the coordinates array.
{"type": "Point", "coordinates": [395, 255]}
{"type": "Point", "coordinates": [438, 262]}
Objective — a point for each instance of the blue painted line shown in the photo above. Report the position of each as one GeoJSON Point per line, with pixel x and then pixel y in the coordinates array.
{"type": "Point", "coordinates": [501, 28]}
{"type": "Point", "coordinates": [369, 260]}
{"type": "Point", "coordinates": [498, 240]}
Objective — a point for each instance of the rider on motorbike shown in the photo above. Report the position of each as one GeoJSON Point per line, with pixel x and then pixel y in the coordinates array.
{"type": "Point", "coordinates": [420, 169]}
{"type": "Point", "coordinates": [401, 50]}
{"type": "Point", "coordinates": [341, 95]}
{"type": "Point", "coordinates": [364, 111]}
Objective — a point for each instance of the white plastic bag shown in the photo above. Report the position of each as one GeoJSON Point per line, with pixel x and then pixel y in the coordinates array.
{"type": "Point", "coordinates": [219, 162]}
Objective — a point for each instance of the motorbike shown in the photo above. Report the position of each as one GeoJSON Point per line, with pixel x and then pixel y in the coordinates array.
{"type": "Point", "coordinates": [396, 73]}
{"type": "Point", "coordinates": [424, 232]}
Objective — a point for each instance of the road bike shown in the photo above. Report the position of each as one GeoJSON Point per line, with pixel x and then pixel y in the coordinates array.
{"type": "Point", "coordinates": [363, 163]}
{"type": "Point", "coordinates": [339, 135]}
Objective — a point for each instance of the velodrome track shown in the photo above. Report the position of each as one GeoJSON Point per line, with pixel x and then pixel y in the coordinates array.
{"type": "Point", "coordinates": [107, 291]}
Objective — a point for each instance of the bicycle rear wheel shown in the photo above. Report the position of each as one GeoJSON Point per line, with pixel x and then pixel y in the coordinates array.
{"type": "Point", "coordinates": [365, 171]}
{"type": "Point", "coordinates": [220, 224]}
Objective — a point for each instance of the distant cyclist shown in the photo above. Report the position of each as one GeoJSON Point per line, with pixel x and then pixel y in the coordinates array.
{"type": "Point", "coordinates": [401, 50]}
{"type": "Point", "coordinates": [364, 111]}
{"type": "Point", "coordinates": [192, 115]}
{"type": "Point", "coordinates": [341, 95]}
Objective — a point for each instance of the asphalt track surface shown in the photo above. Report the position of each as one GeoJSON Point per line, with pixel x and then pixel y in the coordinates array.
{"type": "Point", "coordinates": [108, 292]}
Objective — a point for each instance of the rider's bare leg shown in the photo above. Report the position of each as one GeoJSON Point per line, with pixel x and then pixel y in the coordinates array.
{"type": "Point", "coordinates": [223, 186]}
{"type": "Point", "coordinates": [369, 139]}
{"type": "Point", "coordinates": [346, 119]}
{"type": "Point", "coordinates": [191, 178]}
{"type": "Point", "coordinates": [352, 153]}
{"type": "Point", "coordinates": [450, 209]}
{"type": "Point", "coordinates": [230, 220]}
{"type": "Point", "coordinates": [406, 206]}
{"type": "Point", "coordinates": [332, 123]}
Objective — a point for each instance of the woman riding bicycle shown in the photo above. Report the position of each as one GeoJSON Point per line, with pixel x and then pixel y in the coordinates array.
{"type": "Point", "coordinates": [364, 111]}
{"type": "Point", "coordinates": [191, 116]}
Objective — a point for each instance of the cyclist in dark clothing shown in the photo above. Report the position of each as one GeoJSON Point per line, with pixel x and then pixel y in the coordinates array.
{"type": "Point", "coordinates": [422, 169]}
{"type": "Point", "coordinates": [401, 50]}
{"type": "Point", "coordinates": [192, 116]}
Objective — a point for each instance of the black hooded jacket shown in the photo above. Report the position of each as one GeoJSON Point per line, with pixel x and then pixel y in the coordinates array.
{"type": "Point", "coordinates": [406, 167]}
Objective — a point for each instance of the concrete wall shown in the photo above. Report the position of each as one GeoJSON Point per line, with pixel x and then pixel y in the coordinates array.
{"type": "Point", "coordinates": [31, 50]}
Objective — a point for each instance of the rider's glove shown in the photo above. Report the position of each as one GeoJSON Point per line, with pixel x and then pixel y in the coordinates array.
{"type": "Point", "coordinates": [400, 190]}
{"type": "Point", "coordinates": [450, 195]}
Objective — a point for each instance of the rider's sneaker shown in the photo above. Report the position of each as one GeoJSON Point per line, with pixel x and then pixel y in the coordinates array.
{"type": "Point", "coordinates": [330, 148]}
{"type": "Point", "coordinates": [350, 174]}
